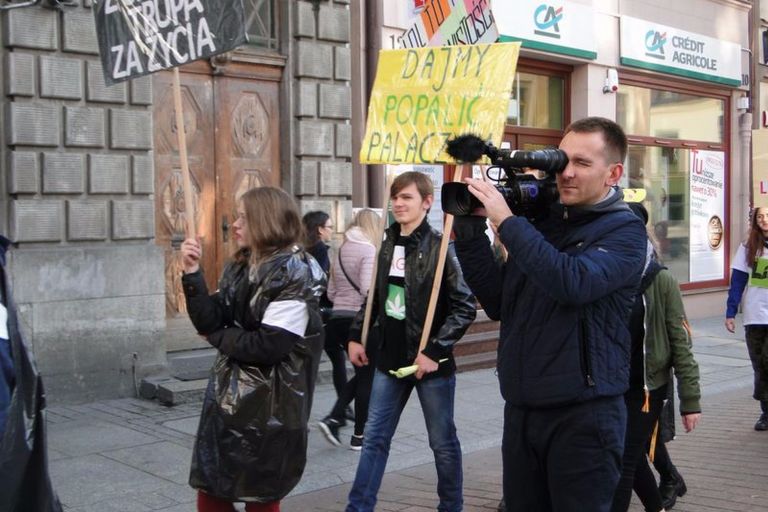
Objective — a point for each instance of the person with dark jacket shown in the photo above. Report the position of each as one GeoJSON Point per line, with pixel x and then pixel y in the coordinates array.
{"type": "Point", "coordinates": [563, 297]}
{"type": "Point", "coordinates": [25, 485]}
{"type": "Point", "coordinates": [264, 320]}
{"type": "Point", "coordinates": [407, 264]}
{"type": "Point", "coordinates": [661, 342]}
{"type": "Point", "coordinates": [318, 230]}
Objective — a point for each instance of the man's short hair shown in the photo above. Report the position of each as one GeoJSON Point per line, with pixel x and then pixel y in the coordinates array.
{"type": "Point", "coordinates": [423, 184]}
{"type": "Point", "coordinates": [613, 135]}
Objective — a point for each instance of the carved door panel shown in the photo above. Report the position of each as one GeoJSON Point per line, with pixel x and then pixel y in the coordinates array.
{"type": "Point", "coordinates": [198, 104]}
{"type": "Point", "coordinates": [247, 145]}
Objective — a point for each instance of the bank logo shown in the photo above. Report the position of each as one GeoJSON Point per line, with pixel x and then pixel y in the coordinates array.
{"type": "Point", "coordinates": [547, 20]}
{"type": "Point", "coordinates": [654, 44]}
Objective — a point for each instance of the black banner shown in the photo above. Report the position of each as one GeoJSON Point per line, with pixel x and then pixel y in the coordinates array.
{"type": "Point", "coordinates": [139, 37]}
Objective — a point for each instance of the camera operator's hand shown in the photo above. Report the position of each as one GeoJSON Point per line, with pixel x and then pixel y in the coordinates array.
{"type": "Point", "coordinates": [496, 207]}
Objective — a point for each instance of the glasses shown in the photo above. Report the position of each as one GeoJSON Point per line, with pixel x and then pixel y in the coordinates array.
{"type": "Point", "coordinates": [328, 227]}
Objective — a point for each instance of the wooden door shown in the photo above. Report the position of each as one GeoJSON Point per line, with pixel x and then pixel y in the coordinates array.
{"type": "Point", "coordinates": [233, 144]}
{"type": "Point", "coordinates": [170, 216]}
{"type": "Point", "coordinates": [247, 146]}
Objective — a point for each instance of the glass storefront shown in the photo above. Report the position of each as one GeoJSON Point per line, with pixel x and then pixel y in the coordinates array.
{"type": "Point", "coordinates": [676, 155]}
{"type": "Point", "coordinates": [537, 101]}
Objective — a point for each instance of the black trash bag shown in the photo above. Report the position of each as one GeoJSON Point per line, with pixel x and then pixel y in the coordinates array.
{"type": "Point", "coordinates": [25, 485]}
{"type": "Point", "coordinates": [254, 425]}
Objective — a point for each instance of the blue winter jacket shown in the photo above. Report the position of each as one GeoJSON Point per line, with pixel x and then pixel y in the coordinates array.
{"type": "Point", "coordinates": [563, 298]}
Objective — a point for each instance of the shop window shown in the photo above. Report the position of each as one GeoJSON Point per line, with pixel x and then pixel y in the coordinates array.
{"type": "Point", "coordinates": [261, 23]}
{"type": "Point", "coordinates": [677, 154]}
{"type": "Point", "coordinates": [537, 101]}
{"type": "Point", "coordinates": [669, 114]}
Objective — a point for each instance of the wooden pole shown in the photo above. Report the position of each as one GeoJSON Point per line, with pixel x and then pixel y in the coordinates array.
{"type": "Point", "coordinates": [447, 227]}
{"type": "Point", "coordinates": [189, 203]}
{"type": "Point", "coordinates": [369, 303]}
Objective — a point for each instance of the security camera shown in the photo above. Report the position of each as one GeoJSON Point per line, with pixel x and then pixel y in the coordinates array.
{"type": "Point", "coordinates": [611, 81]}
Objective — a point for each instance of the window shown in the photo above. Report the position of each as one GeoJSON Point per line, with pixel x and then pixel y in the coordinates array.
{"type": "Point", "coordinates": [537, 101]}
{"type": "Point", "coordinates": [669, 114]}
{"type": "Point", "coordinates": [261, 23]}
{"type": "Point", "coordinates": [677, 153]}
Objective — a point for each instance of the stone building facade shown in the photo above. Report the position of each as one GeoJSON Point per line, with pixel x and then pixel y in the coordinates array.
{"type": "Point", "coordinates": [82, 197]}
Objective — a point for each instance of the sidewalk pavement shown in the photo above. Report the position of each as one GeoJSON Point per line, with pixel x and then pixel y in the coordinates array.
{"type": "Point", "coordinates": [133, 455]}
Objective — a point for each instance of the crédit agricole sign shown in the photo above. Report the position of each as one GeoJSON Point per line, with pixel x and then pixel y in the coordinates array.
{"type": "Point", "coordinates": [649, 45]}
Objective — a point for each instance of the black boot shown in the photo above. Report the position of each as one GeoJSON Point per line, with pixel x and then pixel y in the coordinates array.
{"type": "Point", "coordinates": [762, 421]}
{"type": "Point", "coordinates": [671, 488]}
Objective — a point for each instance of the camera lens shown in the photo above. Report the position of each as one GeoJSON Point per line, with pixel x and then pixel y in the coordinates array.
{"type": "Point", "coordinates": [457, 199]}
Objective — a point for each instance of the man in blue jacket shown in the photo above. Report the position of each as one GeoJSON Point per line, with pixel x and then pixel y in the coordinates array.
{"type": "Point", "coordinates": [563, 297]}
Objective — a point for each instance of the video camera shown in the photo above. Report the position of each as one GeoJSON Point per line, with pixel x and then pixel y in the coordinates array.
{"type": "Point", "coordinates": [525, 194]}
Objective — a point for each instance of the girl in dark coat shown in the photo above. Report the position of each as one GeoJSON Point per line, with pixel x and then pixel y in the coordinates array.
{"type": "Point", "coordinates": [265, 322]}
{"type": "Point", "coordinates": [318, 230]}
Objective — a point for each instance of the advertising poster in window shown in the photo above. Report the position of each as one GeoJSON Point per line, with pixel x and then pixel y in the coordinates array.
{"type": "Point", "coordinates": [707, 215]}
{"type": "Point", "coordinates": [760, 168]}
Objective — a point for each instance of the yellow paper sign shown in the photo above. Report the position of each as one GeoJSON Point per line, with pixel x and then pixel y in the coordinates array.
{"type": "Point", "coordinates": [421, 97]}
{"type": "Point", "coordinates": [634, 195]}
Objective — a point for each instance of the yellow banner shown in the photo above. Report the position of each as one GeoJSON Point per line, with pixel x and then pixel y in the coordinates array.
{"type": "Point", "coordinates": [760, 168]}
{"type": "Point", "coordinates": [421, 97]}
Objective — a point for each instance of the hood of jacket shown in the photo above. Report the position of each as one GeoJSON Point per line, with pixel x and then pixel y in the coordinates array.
{"type": "Point", "coordinates": [356, 235]}
{"type": "Point", "coordinates": [586, 213]}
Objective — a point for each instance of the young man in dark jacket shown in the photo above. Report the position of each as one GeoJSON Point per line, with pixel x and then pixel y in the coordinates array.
{"type": "Point", "coordinates": [563, 298]}
{"type": "Point", "coordinates": [406, 269]}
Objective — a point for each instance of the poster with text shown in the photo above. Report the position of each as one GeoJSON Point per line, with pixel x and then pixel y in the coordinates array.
{"type": "Point", "coordinates": [707, 215]}
{"type": "Point", "coordinates": [760, 168]}
{"type": "Point", "coordinates": [451, 22]}
{"type": "Point", "coordinates": [422, 97]}
{"type": "Point", "coordinates": [140, 37]}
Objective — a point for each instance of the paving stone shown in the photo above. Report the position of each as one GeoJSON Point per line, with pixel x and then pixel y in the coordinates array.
{"type": "Point", "coordinates": [92, 479]}
{"type": "Point", "coordinates": [166, 460]}
{"type": "Point", "coordinates": [87, 437]}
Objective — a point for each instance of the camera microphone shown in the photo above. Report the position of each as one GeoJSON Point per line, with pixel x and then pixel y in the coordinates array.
{"type": "Point", "coordinates": [468, 148]}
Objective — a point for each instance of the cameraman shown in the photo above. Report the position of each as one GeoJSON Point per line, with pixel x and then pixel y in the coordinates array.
{"type": "Point", "coordinates": [563, 297]}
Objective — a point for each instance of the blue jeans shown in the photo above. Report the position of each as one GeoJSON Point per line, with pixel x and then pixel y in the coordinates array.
{"type": "Point", "coordinates": [388, 398]}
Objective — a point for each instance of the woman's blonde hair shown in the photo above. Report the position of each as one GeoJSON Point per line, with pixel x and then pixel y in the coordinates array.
{"type": "Point", "coordinates": [369, 222]}
{"type": "Point", "coordinates": [273, 220]}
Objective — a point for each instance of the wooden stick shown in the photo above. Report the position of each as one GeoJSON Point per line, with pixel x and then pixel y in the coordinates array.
{"type": "Point", "coordinates": [447, 227]}
{"type": "Point", "coordinates": [369, 302]}
{"type": "Point", "coordinates": [189, 202]}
